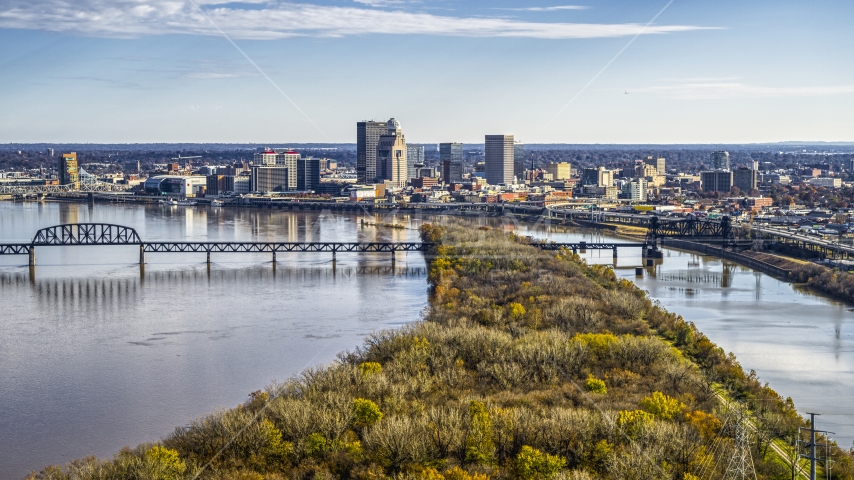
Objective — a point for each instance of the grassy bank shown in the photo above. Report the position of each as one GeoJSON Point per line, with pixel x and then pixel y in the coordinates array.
{"type": "Point", "coordinates": [528, 365]}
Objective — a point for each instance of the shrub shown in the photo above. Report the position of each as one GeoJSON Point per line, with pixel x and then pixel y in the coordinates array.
{"type": "Point", "coordinates": [458, 473]}
{"type": "Point", "coordinates": [365, 413]}
{"type": "Point", "coordinates": [706, 423]}
{"type": "Point", "coordinates": [368, 368]}
{"type": "Point", "coordinates": [532, 464]}
{"type": "Point", "coordinates": [633, 422]}
{"type": "Point", "coordinates": [479, 445]}
{"type": "Point", "coordinates": [594, 385]}
{"type": "Point", "coordinates": [515, 310]}
{"type": "Point", "coordinates": [662, 406]}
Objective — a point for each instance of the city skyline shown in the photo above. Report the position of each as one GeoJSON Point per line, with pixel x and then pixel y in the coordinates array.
{"type": "Point", "coordinates": [592, 72]}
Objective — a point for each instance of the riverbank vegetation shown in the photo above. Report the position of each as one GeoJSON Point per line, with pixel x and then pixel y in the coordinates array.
{"type": "Point", "coordinates": [832, 282]}
{"type": "Point", "coordinates": [528, 364]}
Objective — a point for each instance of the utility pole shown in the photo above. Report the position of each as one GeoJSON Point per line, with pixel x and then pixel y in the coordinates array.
{"type": "Point", "coordinates": [811, 444]}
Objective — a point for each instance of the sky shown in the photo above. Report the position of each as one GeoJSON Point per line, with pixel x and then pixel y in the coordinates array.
{"type": "Point", "coordinates": [548, 71]}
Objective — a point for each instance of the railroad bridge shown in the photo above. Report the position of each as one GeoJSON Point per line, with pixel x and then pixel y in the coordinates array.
{"type": "Point", "coordinates": [104, 234]}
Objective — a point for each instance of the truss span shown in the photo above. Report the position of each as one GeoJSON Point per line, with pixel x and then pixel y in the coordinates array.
{"type": "Point", "coordinates": [262, 247]}
{"type": "Point", "coordinates": [47, 189]}
{"type": "Point", "coordinates": [86, 234]}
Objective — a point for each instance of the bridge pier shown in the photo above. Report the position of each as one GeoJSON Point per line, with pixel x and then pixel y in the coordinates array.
{"type": "Point", "coordinates": [615, 254]}
{"type": "Point", "coordinates": [142, 254]}
{"type": "Point", "coordinates": [392, 258]}
{"type": "Point", "coordinates": [274, 257]}
{"type": "Point", "coordinates": [209, 258]}
{"type": "Point", "coordinates": [32, 256]}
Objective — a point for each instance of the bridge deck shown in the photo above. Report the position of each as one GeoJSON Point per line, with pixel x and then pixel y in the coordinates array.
{"type": "Point", "coordinates": [306, 247]}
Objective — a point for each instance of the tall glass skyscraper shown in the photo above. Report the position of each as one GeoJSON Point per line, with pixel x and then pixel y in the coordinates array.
{"type": "Point", "coordinates": [451, 158]}
{"type": "Point", "coordinates": [367, 136]}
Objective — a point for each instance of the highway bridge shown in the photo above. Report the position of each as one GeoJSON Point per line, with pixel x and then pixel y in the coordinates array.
{"type": "Point", "coordinates": [104, 234]}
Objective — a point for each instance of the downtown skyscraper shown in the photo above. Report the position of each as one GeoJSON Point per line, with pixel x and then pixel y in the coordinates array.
{"type": "Point", "coordinates": [391, 153]}
{"type": "Point", "coordinates": [367, 137]}
{"type": "Point", "coordinates": [451, 160]}
{"type": "Point", "coordinates": [500, 158]}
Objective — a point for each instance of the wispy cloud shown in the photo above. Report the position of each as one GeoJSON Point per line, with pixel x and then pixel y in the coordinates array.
{"type": "Point", "coordinates": [724, 89]}
{"type": "Point", "coordinates": [547, 9]}
{"type": "Point", "coordinates": [386, 3]}
{"type": "Point", "coordinates": [104, 81]}
{"type": "Point", "coordinates": [216, 75]}
{"type": "Point", "coordinates": [274, 20]}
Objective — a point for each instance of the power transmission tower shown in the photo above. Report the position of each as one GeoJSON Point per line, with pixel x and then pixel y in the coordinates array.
{"type": "Point", "coordinates": [741, 465]}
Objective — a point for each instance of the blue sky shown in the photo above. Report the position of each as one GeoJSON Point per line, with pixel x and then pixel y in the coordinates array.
{"type": "Point", "coordinates": [720, 71]}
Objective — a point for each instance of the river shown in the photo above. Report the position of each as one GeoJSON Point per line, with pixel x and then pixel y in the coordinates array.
{"type": "Point", "coordinates": [95, 354]}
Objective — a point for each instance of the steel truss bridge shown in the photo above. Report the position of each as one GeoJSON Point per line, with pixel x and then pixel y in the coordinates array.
{"type": "Point", "coordinates": [657, 227]}
{"type": "Point", "coordinates": [98, 187]}
{"type": "Point", "coordinates": [97, 234]}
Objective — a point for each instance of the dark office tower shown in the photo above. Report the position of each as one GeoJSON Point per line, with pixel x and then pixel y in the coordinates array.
{"type": "Point", "coordinates": [308, 174]}
{"type": "Point", "coordinates": [720, 160]}
{"type": "Point", "coordinates": [716, 181]}
{"type": "Point", "coordinates": [499, 152]}
{"type": "Point", "coordinates": [68, 172]}
{"type": "Point", "coordinates": [451, 158]}
{"type": "Point", "coordinates": [367, 136]}
{"type": "Point", "coordinates": [745, 179]}
{"type": "Point", "coordinates": [519, 160]}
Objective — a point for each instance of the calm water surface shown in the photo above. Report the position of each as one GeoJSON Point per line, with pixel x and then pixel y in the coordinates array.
{"type": "Point", "coordinates": [94, 355]}
{"type": "Point", "coordinates": [800, 342]}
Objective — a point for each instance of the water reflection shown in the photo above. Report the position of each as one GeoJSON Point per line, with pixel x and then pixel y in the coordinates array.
{"type": "Point", "coordinates": [96, 353]}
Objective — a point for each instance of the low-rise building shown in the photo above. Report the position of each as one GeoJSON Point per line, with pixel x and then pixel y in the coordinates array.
{"type": "Point", "coordinates": [830, 182]}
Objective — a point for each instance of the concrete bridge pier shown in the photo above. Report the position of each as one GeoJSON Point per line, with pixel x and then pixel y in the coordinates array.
{"type": "Point", "coordinates": [142, 254]}
{"type": "Point", "coordinates": [209, 258]}
{"type": "Point", "coordinates": [274, 257]}
{"type": "Point", "coordinates": [392, 258]}
{"type": "Point", "coordinates": [32, 256]}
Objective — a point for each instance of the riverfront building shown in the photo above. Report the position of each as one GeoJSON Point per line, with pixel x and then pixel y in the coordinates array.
{"type": "Point", "coordinates": [500, 155]}
{"type": "Point", "coordinates": [68, 171]}
{"type": "Point", "coordinates": [308, 174]}
{"type": "Point", "coordinates": [185, 186]}
{"type": "Point", "coordinates": [269, 178]}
